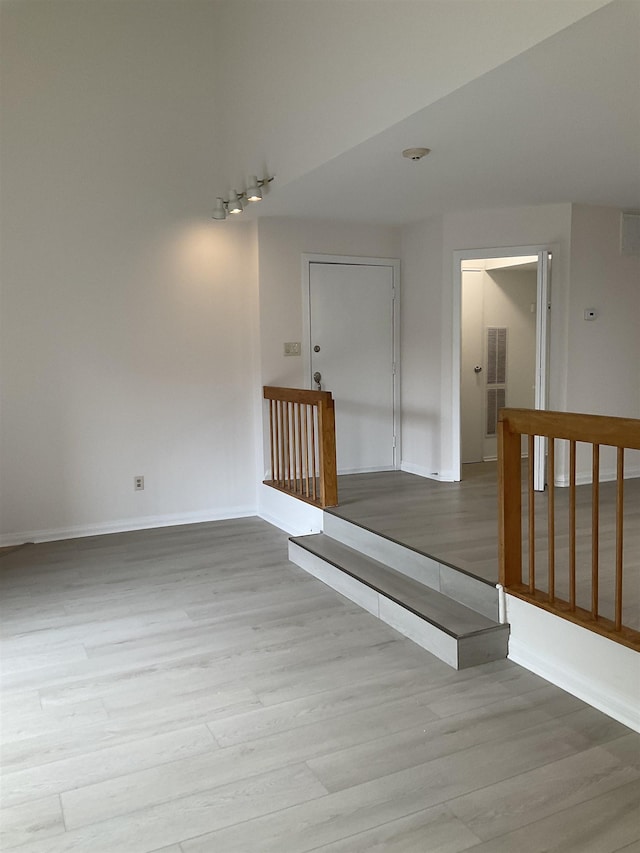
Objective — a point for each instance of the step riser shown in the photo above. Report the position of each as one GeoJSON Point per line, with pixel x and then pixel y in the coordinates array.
{"type": "Point", "coordinates": [457, 653]}
{"type": "Point", "coordinates": [475, 594]}
{"type": "Point", "coordinates": [359, 593]}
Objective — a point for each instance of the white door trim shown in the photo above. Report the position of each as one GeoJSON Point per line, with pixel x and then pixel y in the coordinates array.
{"type": "Point", "coordinates": [542, 326]}
{"type": "Point", "coordinates": [543, 306]}
{"type": "Point", "coordinates": [394, 263]}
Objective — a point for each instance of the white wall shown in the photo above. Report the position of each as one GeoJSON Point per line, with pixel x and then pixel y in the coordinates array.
{"type": "Point", "coordinates": [128, 316]}
{"type": "Point", "coordinates": [421, 343]}
{"type": "Point", "coordinates": [603, 366]}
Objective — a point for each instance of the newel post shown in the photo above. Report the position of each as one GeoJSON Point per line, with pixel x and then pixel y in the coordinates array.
{"type": "Point", "coordinates": [327, 452]}
{"type": "Point", "coordinates": [509, 504]}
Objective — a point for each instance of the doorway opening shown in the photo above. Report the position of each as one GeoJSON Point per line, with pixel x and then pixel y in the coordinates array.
{"type": "Point", "coordinates": [501, 349]}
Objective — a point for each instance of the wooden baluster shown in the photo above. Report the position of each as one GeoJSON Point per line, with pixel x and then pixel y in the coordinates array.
{"type": "Point", "coordinates": [281, 441]}
{"type": "Point", "coordinates": [292, 439]}
{"type": "Point", "coordinates": [278, 478]}
{"type": "Point", "coordinates": [551, 508]}
{"type": "Point", "coordinates": [306, 447]}
{"type": "Point", "coordinates": [619, 536]}
{"type": "Point", "coordinates": [509, 510]}
{"type": "Point", "coordinates": [572, 525]}
{"type": "Point", "coordinates": [595, 529]}
{"type": "Point", "coordinates": [285, 445]}
{"type": "Point", "coordinates": [314, 451]}
{"type": "Point", "coordinates": [300, 451]}
{"type": "Point", "coordinates": [532, 516]}
{"type": "Point", "coordinates": [271, 440]}
{"type": "Point", "coordinates": [280, 444]}
{"type": "Point", "coordinates": [294, 445]}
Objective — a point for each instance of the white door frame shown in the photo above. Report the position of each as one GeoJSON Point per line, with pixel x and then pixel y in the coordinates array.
{"type": "Point", "coordinates": [544, 254]}
{"type": "Point", "coordinates": [394, 263]}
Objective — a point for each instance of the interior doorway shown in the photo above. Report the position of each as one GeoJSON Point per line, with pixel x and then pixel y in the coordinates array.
{"type": "Point", "coordinates": [498, 348]}
{"type": "Point", "coordinates": [501, 347]}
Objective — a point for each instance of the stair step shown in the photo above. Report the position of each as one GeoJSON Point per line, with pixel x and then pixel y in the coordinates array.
{"type": "Point", "coordinates": [478, 594]}
{"type": "Point", "coordinates": [458, 635]}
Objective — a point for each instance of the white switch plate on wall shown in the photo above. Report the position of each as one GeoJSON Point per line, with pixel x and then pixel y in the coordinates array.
{"type": "Point", "coordinates": [292, 348]}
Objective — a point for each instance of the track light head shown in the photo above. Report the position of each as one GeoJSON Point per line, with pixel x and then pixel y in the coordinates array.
{"type": "Point", "coordinates": [234, 204]}
{"type": "Point", "coordinates": [219, 212]}
{"type": "Point", "coordinates": [254, 193]}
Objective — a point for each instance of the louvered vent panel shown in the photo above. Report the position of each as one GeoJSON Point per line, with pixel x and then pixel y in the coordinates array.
{"type": "Point", "coordinates": [496, 356]}
{"type": "Point", "coordinates": [496, 398]}
{"type": "Point", "coordinates": [501, 367]}
{"type": "Point", "coordinates": [496, 376]}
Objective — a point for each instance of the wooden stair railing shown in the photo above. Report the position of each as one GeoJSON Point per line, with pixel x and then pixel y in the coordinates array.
{"type": "Point", "coordinates": [543, 582]}
{"type": "Point", "coordinates": [303, 444]}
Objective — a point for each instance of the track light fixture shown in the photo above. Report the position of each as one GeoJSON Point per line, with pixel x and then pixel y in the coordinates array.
{"type": "Point", "coordinates": [254, 191]}
{"type": "Point", "coordinates": [234, 204]}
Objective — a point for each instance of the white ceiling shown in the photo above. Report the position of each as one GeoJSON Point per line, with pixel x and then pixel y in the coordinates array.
{"type": "Point", "coordinates": [559, 123]}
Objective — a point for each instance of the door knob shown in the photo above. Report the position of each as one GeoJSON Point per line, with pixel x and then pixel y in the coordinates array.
{"type": "Point", "coordinates": [317, 378]}
{"type": "Point", "coordinates": [477, 369]}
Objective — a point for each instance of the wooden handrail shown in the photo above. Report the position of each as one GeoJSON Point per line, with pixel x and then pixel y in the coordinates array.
{"type": "Point", "coordinates": [302, 437]}
{"type": "Point", "coordinates": [593, 429]}
{"type": "Point", "coordinates": [597, 430]}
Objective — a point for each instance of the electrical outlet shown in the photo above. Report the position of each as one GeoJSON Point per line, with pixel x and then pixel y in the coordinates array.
{"type": "Point", "coordinates": [138, 483]}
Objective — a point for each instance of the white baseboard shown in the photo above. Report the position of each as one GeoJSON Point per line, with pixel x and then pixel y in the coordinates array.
{"type": "Point", "coordinates": [124, 525]}
{"type": "Point", "coordinates": [606, 476]}
{"type": "Point", "coordinates": [295, 517]}
{"type": "Point", "coordinates": [374, 470]}
{"type": "Point", "coordinates": [597, 670]}
{"type": "Point", "coordinates": [420, 471]}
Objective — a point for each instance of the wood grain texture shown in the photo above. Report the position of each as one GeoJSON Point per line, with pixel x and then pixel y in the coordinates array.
{"type": "Point", "coordinates": [225, 700]}
{"type": "Point", "coordinates": [300, 465]}
{"type": "Point", "coordinates": [573, 426]}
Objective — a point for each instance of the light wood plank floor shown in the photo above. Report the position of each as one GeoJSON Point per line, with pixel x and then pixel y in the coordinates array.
{"type": "Point", "coordinates": [188, 690]}
{"type": "Point", "coordinates": [457, 523]}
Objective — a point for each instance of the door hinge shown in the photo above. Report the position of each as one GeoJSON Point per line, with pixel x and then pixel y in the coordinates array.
{"type": "Point", "coordinates": [394, 442]}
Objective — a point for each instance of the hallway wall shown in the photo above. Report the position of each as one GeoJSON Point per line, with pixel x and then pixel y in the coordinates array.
{"type": "Point", "coordinates": [128, 316]}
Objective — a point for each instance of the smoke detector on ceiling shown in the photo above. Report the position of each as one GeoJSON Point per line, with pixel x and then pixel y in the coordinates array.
{"type": "Point", "coordinates": [415, 153]}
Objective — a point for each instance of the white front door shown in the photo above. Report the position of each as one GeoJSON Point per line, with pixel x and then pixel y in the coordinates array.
{"type": "Point", "coordinates": [352, 346]}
